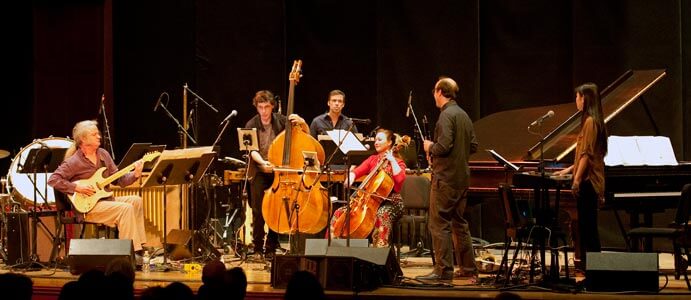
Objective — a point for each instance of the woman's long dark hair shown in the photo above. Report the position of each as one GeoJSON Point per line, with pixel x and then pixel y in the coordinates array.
{"type": "Point", "coordinates": [593, 108]}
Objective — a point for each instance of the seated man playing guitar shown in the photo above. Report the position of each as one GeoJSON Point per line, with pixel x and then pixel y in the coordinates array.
{"type": "Point", "coordinates": [82, 161]}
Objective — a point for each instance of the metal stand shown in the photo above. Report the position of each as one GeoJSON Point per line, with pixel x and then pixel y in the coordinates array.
{"type": "Point", "coordinates": [347, 183]}
{"type": "Point", "coordinates": [247, 142]}
{"type": "Point", "coordinates": [208, 229]}
{"type": "Point", "coordinates": [176, 171]}
{"type": "Point", "coordinates": [45, 160]}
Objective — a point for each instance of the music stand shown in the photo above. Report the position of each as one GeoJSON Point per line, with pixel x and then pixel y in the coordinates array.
{"type": "Point", "coordinates": [349, 145]}
{"type": "Point", "coordinates": [137, 151]}
{"type": "Point", "coordinates": [247, 139]}
{"type": "Point", "coordinates": [40, 160]}
{"type": "Point", "coordinates": [247, 142]}
{"type": "Point", "coordinates": [176, 170]}
{"type": "Point", "coordinates": [508, 166]}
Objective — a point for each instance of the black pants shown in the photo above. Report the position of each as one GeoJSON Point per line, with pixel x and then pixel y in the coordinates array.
{"type": "Point", "coordinates": [586, 203]}
{"type": "Point", "coordinates": [450, 231]}
{"type": "Point", "coordinates": [261, 182]}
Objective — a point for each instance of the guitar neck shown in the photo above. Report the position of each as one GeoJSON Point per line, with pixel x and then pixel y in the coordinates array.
{"type": "Point", "coordinates": [116, 175]}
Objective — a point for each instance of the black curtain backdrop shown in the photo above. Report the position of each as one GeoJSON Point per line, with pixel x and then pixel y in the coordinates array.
{"type": "Point", "coordinates": [504, 54]}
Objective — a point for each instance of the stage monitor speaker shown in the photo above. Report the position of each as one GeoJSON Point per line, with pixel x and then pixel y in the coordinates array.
{"type": "Point", "coordinates": [620, 271]}
{"type": "Point", "coordinates": [341, 268]}
{"type": "Point", "coordinates": [315, 247]}
{"type": "Point", "coordinates": [87, 254]}
{"type": "Point", "coordinates": [178, 244]}
{"type": "Point", "coordinates": [17, 238]}
{"type": "Point", "coordinates": [358, 269]}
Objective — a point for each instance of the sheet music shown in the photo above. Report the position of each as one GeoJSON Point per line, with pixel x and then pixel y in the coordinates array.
{"type": "Point", "coordinates": [350, 142]}
{"type": "Point", "coordinates": [185, 153]}
{"type": "Point", "coordinates": [640, 151]}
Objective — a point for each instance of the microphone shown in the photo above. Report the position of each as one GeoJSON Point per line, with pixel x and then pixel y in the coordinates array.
{"type": "Point", "coordinates": [361, 121]}
{"type": "Point", "coordinates": [410, 101]}
{"type": "Point", "coordinates": [232, 114]}
{"type": "Point", "coordinates": [158, 103]}
{"type": "Point", "coordinates": [539, 120]}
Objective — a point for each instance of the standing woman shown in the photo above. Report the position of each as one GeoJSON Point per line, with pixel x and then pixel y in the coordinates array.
{"type": "Point", "coordinates": [588, 167]}
{"type": "Point", "coordinates": [390, 210]}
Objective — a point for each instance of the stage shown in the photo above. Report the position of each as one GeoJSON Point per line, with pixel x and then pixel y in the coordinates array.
{"type": "Point", "coordinates": [48, 282]}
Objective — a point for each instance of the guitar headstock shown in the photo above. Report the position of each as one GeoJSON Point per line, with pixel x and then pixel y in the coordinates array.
{"type": "Point", "coordinates": [296, 71]}
{"type": "Point", "coordinates": [150, 156]}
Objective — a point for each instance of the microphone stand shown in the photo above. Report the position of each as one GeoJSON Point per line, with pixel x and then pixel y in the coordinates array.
{"type": "Point", "coordinates": [220, 134]}
{"type": "Point", "coordinates": [245, 199]}
{"type": "Point", "coordinates": [106, 127]}
{"type": "Point", "coordinates": [181, 129]}
{"type": "Point", "coordinates": [541, 165]}
{"type": "Point", "coordinates": [197, 97]}
{"type": "Point", "coordinates": [417, 124]}
{"type": "Point", "coordinates": [419, 131]}
{"type": "Point", "coordinates": [208, 226]}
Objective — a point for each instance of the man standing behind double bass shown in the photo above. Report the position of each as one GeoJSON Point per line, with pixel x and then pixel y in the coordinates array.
{"type": "Point", "coordinates": [454, 141]}
{"type": "Point", "coordinates": [268, 125]}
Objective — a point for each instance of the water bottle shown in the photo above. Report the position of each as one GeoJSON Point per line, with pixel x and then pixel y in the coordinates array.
{"type": "Point", "coordinates": [146, 261]}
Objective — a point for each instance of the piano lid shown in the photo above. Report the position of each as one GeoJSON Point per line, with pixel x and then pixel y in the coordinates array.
{"type": "Point", "coordinates": [506, 131]}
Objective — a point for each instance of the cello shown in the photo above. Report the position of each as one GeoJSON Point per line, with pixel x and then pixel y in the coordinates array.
{"type": "Point", "coordinates": [366, 199]}
{"type": "Point", "coordinates": [295, 202]}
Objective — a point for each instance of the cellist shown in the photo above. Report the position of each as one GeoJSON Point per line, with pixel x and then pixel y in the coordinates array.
{"type": "Point", "coordinates": [392, 208]}
{"type": "Point", "coordinates": [269, 125]}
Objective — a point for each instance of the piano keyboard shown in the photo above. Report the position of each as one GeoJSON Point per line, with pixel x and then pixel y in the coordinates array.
{"type": "Point", "coordinates": [647, 195]}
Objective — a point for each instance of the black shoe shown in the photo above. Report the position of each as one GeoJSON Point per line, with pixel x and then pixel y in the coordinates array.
{"type": "Point", "coordinates": [446, 276]}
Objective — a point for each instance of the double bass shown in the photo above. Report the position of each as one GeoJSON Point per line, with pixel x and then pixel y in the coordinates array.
{"type": "Point", "coordinates": [295, 202]}
{"type": "Point", "coordinates": [366, 199]}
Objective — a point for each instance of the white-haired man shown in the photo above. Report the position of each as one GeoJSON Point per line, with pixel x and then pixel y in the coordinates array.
{"type": "Point", "coordinates": [82, 160]}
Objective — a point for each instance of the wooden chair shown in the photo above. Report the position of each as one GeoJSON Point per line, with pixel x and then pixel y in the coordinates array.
{"type": "Point", "coordinates": [677, 232]}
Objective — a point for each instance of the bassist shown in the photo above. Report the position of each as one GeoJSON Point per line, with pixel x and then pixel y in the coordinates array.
{"type": "Point", "coordinates": [268, 125]}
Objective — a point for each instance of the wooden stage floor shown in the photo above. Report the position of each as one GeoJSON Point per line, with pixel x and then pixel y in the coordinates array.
{"type": "Point", "coordinates": [47, 284]}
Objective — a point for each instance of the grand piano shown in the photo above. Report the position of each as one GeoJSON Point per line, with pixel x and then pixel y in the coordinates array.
{"type": "Point", "coordinates": [632, 189]}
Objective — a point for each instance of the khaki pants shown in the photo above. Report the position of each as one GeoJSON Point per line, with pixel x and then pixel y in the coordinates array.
{"type": "Point", "coordinates": [127, 213]}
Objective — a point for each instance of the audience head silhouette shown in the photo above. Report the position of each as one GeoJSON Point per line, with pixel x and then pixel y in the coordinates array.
{"type": "Point", "coordinates": [304, 285]}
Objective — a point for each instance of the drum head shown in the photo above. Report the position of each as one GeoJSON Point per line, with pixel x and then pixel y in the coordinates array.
{"type": "Point", "coordinates": [22, 186]}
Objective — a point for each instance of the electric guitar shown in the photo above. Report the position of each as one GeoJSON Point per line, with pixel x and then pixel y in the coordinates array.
{"type": "Point", "coordinates": [83, 203]}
